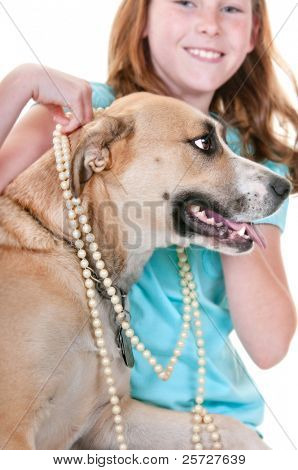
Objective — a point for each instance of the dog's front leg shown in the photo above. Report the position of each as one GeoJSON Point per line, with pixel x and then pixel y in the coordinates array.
{"type": "Point", "coordinates": [150, 427]}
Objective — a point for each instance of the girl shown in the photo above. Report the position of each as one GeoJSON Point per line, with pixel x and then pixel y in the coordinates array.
{"type": "Point", "coordinates": [217, 56]}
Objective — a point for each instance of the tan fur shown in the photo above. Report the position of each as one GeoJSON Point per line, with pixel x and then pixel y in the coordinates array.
{"type": "Point", "coordinates": [53, 393]}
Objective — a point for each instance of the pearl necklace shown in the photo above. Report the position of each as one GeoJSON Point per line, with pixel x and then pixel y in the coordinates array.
{"type": "Point", "coordinates": [77, 218]}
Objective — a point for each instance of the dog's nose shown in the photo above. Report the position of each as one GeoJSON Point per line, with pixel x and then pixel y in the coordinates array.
{"type": "Point", "coordinates": [280, 187]}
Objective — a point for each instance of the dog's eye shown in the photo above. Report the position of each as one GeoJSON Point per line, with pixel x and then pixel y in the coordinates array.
{"type": "Point", "coordinates": [204, 143]}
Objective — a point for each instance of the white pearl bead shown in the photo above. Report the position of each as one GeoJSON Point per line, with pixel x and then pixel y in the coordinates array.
{"type": "Point", "coordinates": [215, 436]}
{"type": "Point", "coordinates": [76, 234]}
{"type": "Point", "coordinates": [140, 347]}
{"type": "Point", "coordinates": [95, 313]}
{"type": "Point", "coordinates": [84, 264]}
{"type": "Point", "coordinates": [210, 427]}
{"type": "Point", "coordinates": [96, 256]}
{"type": "Point", "coordinates": [217, 446]}
{"type": "Point", "coordinates": [118, 308]}
{"type": "Point", "coordinates": [86, 228]}
{"type": "Point", "coordinates": [62, 176]}
{"type": "Point", "coordinates": [100, 264]}
{"type": "Point", "coordinates": [198, 446]}
{"type": "Point", "coordinates": [92, 303]}
{"type": "Point", "coordinates": [129, 333]}
{"type": "Point", "coordinates": [93, 246]}
{"type": "Point", "coordinates": [117, 419]}
{"type": "Point", "coordinates": [90, 237]}
{"type": "Point", "coordinates": [64, 184]}
{"type": "Point", "coordinates": [79, 210]}
{"type": "Point", "coordinates": [107, 282]}
{"type": "Point", "coordinates": [69, 205]}
{"type": "Point", "coordinates": [177, 352]}
{"type": "Point", "coordinates": [158, 368]}
{"type": "Point", "coordinates": [81, 253]}
{"type": "Point", "coordinates": [111, 291]}
{"type": "Point", "coordinates": [134, 340]}
{"type": "Point", "coordinates": [186, 317]}
{"type": "Point", "coordinates": [98, 333]}
{"type": "Point", "coordinates": [112, 390]}
{"type": "Point", "coordinates": [116, 410]}
{"type": "Point", "coordinates": [107, 370]}
{"type": "Point", "coordinates": [146, 354]}
{"type": "Point", "coordinates": [67, 194]}
{"type": "Point", "coordinates": [83, 219]}
{"type": "Point", "coordinates": [89, 283]}
{"type": "Point", "coordinates": [73, 224]}
{"type": "Point", "coordinates": [96, 323]}
{"type": "Point", "coordinates": [103, 273]}
{"type": "Point", "coordinates": [196, 438]}
{"type": "Point", "coordinates": [199, 400]}
{"type": "Point", "coordinates": [79, 244]}
{"type": "Point", "coordinates": [125, 325]}
{"type": "Point", "coordinates": [114, 400]}
{"type": "Point", "coordinates": [105, 361]}
{"type": "Point", "coordinates": [120, 317]}
{"type": "Point", "coordinates": [86, 273]}
{"type": "Point", "coordinates": [152, 361]}
{"type": "Point", "coordinates": [120, 439]}
{"type": "Point", "coordinates": [115, 299]}
{"type": "Point", "coordinates": [71, 214]}
{"type": "Point", "coordinates": [91, 293]}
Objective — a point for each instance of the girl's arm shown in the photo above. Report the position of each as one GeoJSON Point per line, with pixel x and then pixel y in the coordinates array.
{"type": "Point", "coordinates": [262, 310]}
{"type": "Point", "coordinates": [32, 136]}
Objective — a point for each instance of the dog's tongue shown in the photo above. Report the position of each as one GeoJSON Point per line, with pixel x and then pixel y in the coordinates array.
{"type": "Point", "coordinates": [251, 230]}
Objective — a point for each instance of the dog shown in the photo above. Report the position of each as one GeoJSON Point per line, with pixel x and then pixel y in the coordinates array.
{"type": "Point", "coordinates": [144, 147]}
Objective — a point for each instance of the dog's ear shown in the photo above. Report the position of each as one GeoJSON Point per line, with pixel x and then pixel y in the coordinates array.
{"type": "Point", "coordinates": [93, 150]}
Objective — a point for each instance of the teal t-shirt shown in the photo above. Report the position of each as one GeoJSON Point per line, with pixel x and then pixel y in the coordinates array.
{"type": "Point", "coordinates": [156, 310]}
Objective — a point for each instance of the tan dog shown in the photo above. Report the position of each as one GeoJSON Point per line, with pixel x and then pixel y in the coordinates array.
{"type": "Point", "coordinates": [144, 148]}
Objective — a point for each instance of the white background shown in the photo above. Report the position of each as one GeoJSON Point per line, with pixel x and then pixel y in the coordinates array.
{"type": "Point", "coordinates": [72, 35]}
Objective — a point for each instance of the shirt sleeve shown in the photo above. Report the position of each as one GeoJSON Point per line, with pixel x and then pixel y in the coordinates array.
{"type": "Point", "coordinates": [102, 95]}
{"type": "Point", "coordinates": [279, 217]}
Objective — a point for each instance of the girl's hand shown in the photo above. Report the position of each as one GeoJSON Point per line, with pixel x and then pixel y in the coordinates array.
{"type": "Point", "coordinates": [56, 90]}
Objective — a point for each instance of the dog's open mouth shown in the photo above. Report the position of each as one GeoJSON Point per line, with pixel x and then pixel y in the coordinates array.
{"type": "Point", "coordinates": [195, 213]}
{"type": "Point", "coordinates": [206, 222]}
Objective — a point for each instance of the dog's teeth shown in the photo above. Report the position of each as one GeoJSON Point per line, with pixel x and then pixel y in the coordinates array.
{"type": "Point", "coordinates": [195, 209]}
{"type": "Point", "coordinates": [241, 232]}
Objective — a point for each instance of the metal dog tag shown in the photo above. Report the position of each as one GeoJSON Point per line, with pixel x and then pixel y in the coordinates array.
{"type": "Point", "coordinates": [124, 344]}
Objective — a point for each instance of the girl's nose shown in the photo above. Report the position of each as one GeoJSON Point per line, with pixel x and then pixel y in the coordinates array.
{"type": "Point", "coordinates": [207, 22]}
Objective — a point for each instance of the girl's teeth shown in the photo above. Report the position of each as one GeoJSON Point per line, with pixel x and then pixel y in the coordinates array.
{"type": "Point", "coordinates": [210, 221]}
{"type": "Point", "coordinates": [205, 54]}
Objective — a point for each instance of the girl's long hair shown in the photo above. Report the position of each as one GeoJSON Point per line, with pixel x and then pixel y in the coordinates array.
{"type": "Point", "coordinates": [252, 100]}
